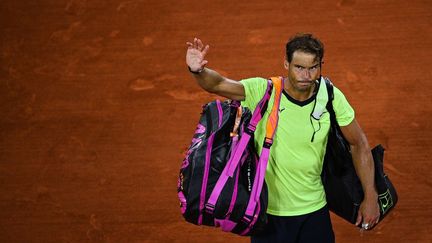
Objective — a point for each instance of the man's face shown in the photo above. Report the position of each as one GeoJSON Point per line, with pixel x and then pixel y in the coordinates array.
{"type": "Point", "coordinates": [303, 70]}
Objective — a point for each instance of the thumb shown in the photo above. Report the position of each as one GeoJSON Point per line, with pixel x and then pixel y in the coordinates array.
{"type": "Point", "coordinates": [359, 219]}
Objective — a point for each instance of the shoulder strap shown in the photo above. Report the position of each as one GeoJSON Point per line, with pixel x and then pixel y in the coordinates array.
{"type": "Point", "coordinates": [278, 84]}
{"type": "Point", "coordinates": [260, 109]}
{"type": "Point", "coordinates": [323, 96]}
{"type": "Point", "coordinates": [321, 99]}
{"type": "Point", "coordinates": [329, 105]}
{"type": "Point", "coordinates": [273, 118]}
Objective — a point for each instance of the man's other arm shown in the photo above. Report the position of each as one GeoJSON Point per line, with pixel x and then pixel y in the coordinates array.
{"type": "Point", "coordinates": [364, 166]}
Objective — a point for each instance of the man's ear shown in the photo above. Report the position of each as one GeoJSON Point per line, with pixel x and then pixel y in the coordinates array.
{"type": "Point", "coordinates": [286, 64]}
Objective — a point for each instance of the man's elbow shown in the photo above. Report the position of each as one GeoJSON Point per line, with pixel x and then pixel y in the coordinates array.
{"type": "Point", "coordinates": [360, 144]}
{"type": "Point", "coordinates": [210, 89]}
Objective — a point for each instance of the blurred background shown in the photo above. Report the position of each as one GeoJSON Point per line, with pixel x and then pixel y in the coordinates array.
{"type": "Point", "coordinates": [97, 106]}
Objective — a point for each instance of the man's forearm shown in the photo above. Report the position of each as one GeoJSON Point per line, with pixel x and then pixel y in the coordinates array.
{"type": "Point", "coordinates": [364, 165]}
{"type": "Point", "coordinates": [208, 79]}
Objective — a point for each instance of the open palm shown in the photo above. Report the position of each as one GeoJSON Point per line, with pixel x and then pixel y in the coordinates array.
{"type": "Point", "coordinates": [195, 55]}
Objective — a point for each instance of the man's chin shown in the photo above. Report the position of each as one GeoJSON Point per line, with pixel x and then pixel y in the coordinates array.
{"type": "Point", "coordinates": [304, 87]}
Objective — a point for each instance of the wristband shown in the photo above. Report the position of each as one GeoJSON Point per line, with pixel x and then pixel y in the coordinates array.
{"type": "Point", "coordinates": [195, 72]}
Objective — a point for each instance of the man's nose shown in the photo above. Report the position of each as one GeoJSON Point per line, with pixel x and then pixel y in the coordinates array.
{"type": "Point", "coordinates": [306, 74]}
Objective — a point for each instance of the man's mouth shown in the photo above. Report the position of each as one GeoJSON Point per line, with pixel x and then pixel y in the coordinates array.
{"type": "Point", "coordinates": [305, 82]}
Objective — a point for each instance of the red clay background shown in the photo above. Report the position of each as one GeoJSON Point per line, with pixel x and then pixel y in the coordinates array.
{"type": "Point", "coordinates": [97, 106]}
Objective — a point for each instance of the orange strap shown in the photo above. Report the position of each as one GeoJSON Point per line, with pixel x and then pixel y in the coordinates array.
{"type": "Point", "coordinates": [237, 122]}
{"type": "Point", "coordinates": [273, 118]}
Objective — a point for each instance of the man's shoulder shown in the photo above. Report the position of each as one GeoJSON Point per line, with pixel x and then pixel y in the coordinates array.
{"type": "Point", "coordinates": [257, 84]}
{"type": "Point", "coordinates": [330, 83]}
{"type": "Point", "coordinates": [337, 92]}
{"type": "Point", "coordinates": [254, 90]}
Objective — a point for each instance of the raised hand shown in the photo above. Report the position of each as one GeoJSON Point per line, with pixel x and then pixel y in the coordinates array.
{"type": "Point", "coordinates": [195, 55]}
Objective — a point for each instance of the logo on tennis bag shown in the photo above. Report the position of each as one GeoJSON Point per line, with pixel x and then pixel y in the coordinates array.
{"type": "Point", "coordinates": [221, 181]}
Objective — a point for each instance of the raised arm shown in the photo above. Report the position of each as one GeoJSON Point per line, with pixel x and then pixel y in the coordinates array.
{"type": "Point", "coordinates": [210, 80]}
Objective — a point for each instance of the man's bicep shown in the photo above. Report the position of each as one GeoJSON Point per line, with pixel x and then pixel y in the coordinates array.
{"type": "Point", "coordinates": [231, 89]}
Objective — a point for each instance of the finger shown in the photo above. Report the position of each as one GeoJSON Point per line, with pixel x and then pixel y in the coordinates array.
{"type": "Point", "coordinates": [190, 45]}
{"type": "Point", "coordinates": [206, 48]}
{"type": "Point", "coordinates": [200, 44]}
{"type": "Point", "coordinates": [203, 63]}
{"type": "Point", "coordinates": [359, 219]}
{"type": "Point", "coordinates": [375, 222]}
{"type": "Point", "coordinates": [195, 43]}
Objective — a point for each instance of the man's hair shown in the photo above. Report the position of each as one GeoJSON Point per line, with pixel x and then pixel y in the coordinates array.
{"type": "Point", "coordinates": [306, 43]}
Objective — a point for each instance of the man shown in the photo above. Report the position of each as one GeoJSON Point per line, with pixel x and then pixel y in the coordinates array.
{"type": "Point", "coordinates": [297, 205]}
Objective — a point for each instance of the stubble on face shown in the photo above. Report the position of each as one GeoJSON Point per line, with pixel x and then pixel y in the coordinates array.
{"type": "Point", "coordinates": [303, 70]}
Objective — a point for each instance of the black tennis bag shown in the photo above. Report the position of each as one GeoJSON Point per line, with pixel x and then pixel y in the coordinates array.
{"type": "Point", "coordinates": [343, 188]}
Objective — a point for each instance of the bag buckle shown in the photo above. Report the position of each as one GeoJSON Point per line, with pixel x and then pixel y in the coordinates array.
{"type": "Point", "coordinates": [209, 208]}
{"type": "Point", "coordinates": [268, 142]}
{"type": "Point", "coordinates": [250, 129]}
{"type": "Point", "coordinates": [247, 219]}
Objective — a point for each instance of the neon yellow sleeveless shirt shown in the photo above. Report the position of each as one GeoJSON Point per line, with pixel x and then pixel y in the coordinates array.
{"type": "Point", "coordinates": [293, 173]}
